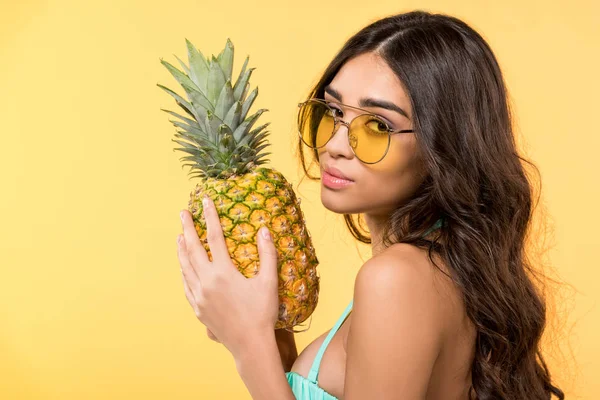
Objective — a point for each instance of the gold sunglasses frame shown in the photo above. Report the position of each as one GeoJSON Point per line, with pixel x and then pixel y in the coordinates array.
{"type": "Point", "coordinates": [337, 121]}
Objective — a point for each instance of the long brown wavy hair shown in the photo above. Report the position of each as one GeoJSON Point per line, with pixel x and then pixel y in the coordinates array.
{"type": "Point", "coordinates": [476, 181]}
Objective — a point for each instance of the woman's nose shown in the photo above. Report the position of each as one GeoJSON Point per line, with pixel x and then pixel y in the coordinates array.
{"type": "Point", "coordinates": [338, 145]}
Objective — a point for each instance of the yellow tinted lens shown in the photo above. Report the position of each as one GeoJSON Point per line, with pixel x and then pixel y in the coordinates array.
{"type": "Point", "coordinates": [315, 123]}
{"type": "Point", "coordinates": [369, 138]}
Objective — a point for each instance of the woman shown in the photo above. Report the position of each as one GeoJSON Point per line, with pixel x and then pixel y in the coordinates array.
{"type": "Point", "coordinates": [411, 129]}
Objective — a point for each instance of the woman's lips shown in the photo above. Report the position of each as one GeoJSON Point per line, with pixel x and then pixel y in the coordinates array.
{"type": "Point", "coordinates": [334, 182]}
{"type": "Point", "coordinates": [336, 173]}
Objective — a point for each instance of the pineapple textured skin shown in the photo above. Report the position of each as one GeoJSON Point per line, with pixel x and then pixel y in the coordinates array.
{"type": "Point", "coordinates": [263, 197]}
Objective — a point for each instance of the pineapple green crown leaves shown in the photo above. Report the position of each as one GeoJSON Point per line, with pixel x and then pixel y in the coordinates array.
{"type": "Point", "coordinates": [218, 133]}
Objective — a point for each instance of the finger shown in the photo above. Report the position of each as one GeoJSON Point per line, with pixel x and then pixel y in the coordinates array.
{"type": "Point", "coordinates": [212, 336]}
{"type": "Point", "coordinates": [268, 257]}
{"type": "Point", "coordinates": [196, 253]}
{"type": "Point", "coordinates": [214, 233]}
{"type": "Point", "coordinates": [189, 274]}
{"type": "Point", "coordinates": [189, 295]}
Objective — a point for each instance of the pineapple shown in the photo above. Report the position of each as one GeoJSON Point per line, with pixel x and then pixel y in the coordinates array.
{"type": "Point", "coordinates": [226, 154]}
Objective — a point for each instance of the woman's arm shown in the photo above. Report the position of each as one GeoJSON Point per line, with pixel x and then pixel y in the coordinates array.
{"type": "Point", "coordinates": [261, 370]}
{"type": "Point", "coordinates": [286, 343]}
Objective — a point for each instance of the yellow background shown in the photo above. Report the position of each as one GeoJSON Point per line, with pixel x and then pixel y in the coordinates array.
{"type": "Point", "coordinates": [91, 299]}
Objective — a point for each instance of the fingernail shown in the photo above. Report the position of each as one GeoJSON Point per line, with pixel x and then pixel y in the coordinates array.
{"type": "Point", "coordinates": [178, 239]}
{"type": "Point", "coordinates": [181, 215]}
{"type": "Point", "coordinates": [205, 200]}
{"type": "Point", "coordinates": [266, 234]}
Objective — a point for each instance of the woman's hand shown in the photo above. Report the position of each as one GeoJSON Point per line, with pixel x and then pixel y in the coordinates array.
{"type": "Point", "coordinates": [190, 297]}
{"type": "Point", "coordinates": [212, 336]}
{"type": "Point", "coordinates": [236, 310]}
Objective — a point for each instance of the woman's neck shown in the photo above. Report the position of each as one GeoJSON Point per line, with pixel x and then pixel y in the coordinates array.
{"type": "Point", "coordinates": [375, 224]}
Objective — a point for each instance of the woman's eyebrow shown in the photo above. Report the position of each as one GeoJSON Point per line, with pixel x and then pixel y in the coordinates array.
{"type": "Point", "coordinates": [368, 102]}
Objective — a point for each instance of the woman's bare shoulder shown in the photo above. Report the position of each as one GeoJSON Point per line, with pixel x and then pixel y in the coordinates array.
{"type": "Point", "coordinates": [405, 267]}
{"type": "Point", "coordinates": [394, 297]}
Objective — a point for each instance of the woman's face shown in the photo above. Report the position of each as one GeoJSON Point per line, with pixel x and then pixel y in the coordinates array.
{"type": "Point", "coordinates": [376, 189]}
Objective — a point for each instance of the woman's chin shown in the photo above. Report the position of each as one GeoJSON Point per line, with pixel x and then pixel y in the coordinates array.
{"type": "Point", "coordinates": [337, 202]}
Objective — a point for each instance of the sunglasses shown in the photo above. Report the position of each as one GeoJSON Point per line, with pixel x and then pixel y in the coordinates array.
{"type": "Point", "coordinates": [368, 134]}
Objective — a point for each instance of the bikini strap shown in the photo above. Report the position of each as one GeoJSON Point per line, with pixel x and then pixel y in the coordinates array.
{"type": "Point", "coordinates": [435, 226]}
{"type": "Point", "coordinates": [314, 370]}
